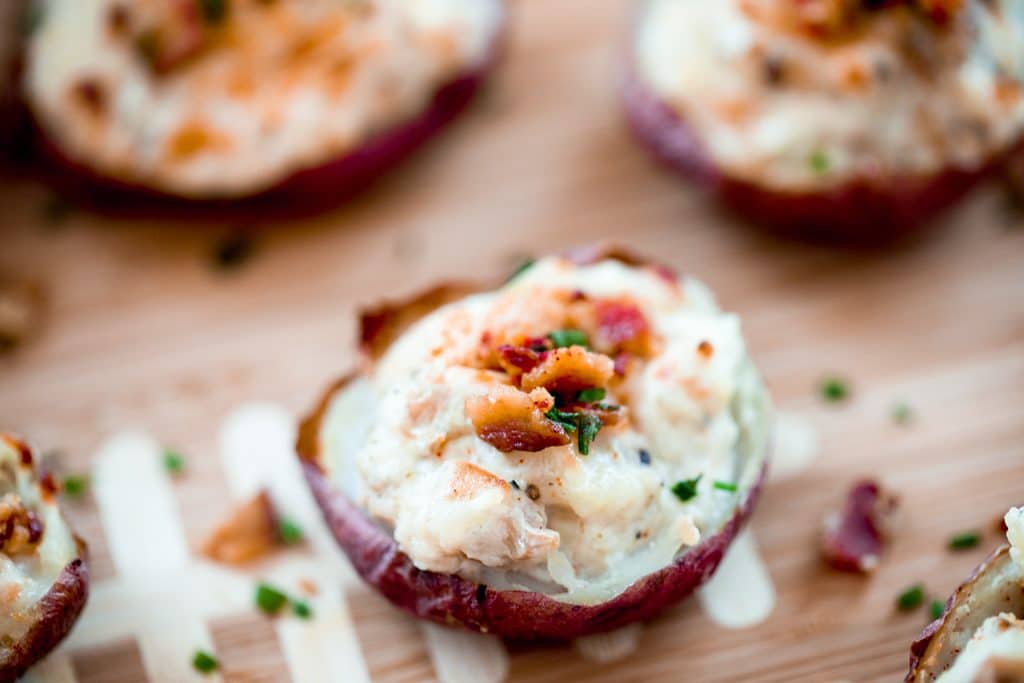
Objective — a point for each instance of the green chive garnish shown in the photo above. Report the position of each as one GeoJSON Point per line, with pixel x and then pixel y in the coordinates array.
{"type": "Point", "coordinates": [964, 540]}
{"type": "Point", "coordinates": [214, 11]}
{"type": "Point", "coordinates": [75, 485]}
{"type": "Point", "coordinates": [565, 338]}
{"type": "Point", "coordinates": [591, 395]}
{"type": "Point", "coordinates": [687, 488]}
{"type": "Point", "coordinates": [901, 413]}
{"type": "Point", "coordinates": [174, 463]}
{"type": "Point", "coordinates": [820, 162]}
{"type": "Point", "coordinates": [725, 486]}
{"type": "Point", "coordinates": [910, 598]}
{"type": "Point", "coordinates": [520, 269]}
{"type": "Point", "coordinates": [937, 608]}
{"type": "Point", "coordinates": [585, 425]}
{"type": "Point", "coordinates": [289, 531]}
{"type": "Point", "coordinates": [204, 662]}
{"type": "Point", "coordinates": [834, 389]}
{"type": "Point", "coordinates": [270, 599]}
{"type": "Point", "coordinates": [302, 609]}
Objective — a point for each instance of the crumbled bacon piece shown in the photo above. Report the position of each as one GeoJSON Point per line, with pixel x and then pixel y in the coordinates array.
{"type": "Point", "coordinates": [516, 360]}
{"type": "Point", "coordinates": [20, 528]}
{"type": "Point", "coordinates": [249, 533]}
{"type": "Point", "coordinates": [179, 36]}
{"type": "Point", "coordinates": [854, 538]}
{"type": "Point", "coordinates": [510, 420]}
{"type": "Point", "coordinates": [566, 371]}
{"type": "Point", "coordinates": [622, 326]}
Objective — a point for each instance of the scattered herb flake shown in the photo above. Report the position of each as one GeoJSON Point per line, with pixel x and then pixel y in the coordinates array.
{"type": "Point", "coordinates": [901, 413]}
{"type": "Point", "coordinates": [725, 486]}
{"type": "Point", "coordinates": [289, 531]}
{"type": "Point", "coordinates": [686, 489]}
{"type": "Point", "coordinates": [585, 425]}
{"type": "Point", "coordinates": [75, 485]}
{"type": "Point", "coordinates": [233, 252]}
{"type": "Point", "coordinates": [565, 338]}
{"type": "Point", "coordinates": [301, 609]}
{"type": "Point", "coordinates": [213, 11]}
{"type": "Point", "coordinates": [204, 662]}
{"type": "Point", "coordinates": [834, 389]}
{"type": "Point", "coordinates": [567, 420]}
{"type": "Point", "coordinates": [591, 395]}
{"type": "Point", "coordinates": [520, 269]}
{"type": "Point", "coordinates": [937, 608]}
{"type": "Point", "coordinates": [964, 540]}
{"type": "Point", "coordinates": [174, 463]}
{"type": "Point", "coordinates": [56, 210]}
{"type": "Point", "coordinates": [820, 162]}
{"type": "Point", "coordinates": [910, 598]}
{"type": "Point", "coordinates": [270, 599]}
{"type": "Point", "coordinates": [590, 425]}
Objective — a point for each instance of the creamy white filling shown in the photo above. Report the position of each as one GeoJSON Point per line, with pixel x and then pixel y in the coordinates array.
{"type": "Point", "coordinates": [290, 86]}
{"type": "Point", "coordinates": [832, 115]}
{"type": "Point", "coordinates": [1014, 520]}
{"type": "Point", "coordinates": [995, 652]}
{"type": "Point", "coordinates": [395, 443]}
{"type": "Point", "coordinates": [26, 578]}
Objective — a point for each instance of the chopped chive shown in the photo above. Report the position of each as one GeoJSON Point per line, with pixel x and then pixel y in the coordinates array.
{"type": "Point", "coordinates": [289, 532]}
{"type": "Point", "coordinates": [591, 395]}
{"type": "Point", "coordinates": [56, 209]}
{"type": "Point", "coordinates": [301, 609]}
{"type": "Point", "coordinates": [937, 609]}
{"type": "Point", "coordinates": [75, 485]}
{"type": "Point", "coordinates": [725, 486]}
{"type": "Point", "coordinates": [232, 252]}
{"type": "Point", "coordinates": [174, 463]}
{"type": "Point", "coordinates": [565, 338]}
{"type": "Point", "coordinates": [964, 540]}
{"type": "Point", "coordinates": [901, 413]}
{"type": "Point", "coordinates": [910, 598]}
{"type": "Point", "coordinates": [834, 389]}
{"type": "Point", "coordinates": [590, 425]}
{"type": "Point", "coordinates": [819, 161]}
{"type": "Point", "coordinates": [204, 662]}
{"type": "Point", "coordinates": [686, 489]}
{"type": "Point", "coordinates": [520, 269]}
{"type": "Point", "coordinates": [584, 425]}
{"type": "Point", "coordinates": [213, 11]}
{"type": "Point", "coordinates": [270, 599]}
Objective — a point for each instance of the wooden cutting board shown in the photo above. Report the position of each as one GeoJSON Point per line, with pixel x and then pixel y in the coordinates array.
{"type": "Point", "coordinates": [145, 343]}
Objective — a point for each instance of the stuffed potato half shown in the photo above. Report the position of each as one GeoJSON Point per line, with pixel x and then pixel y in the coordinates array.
{"type": "Point", "coordinates": [566, 454]}
{"type": "Point", "coordinates": [44, 581]}
{"type": "Point", "coordinates": [202, 100]}
{"type": "Point", "coordinates": [830, 119]}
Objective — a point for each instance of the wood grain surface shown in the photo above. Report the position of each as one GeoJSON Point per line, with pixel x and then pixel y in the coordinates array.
{"type": "Point", "coordinates": [142, 331]}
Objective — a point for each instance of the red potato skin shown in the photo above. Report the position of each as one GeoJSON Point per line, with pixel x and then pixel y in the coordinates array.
{"type": "Point", "coordinates": [513, 615]}
{"type": "Point", "coordinates": [864, 211]}
{"type": "Point", "coordinates": [919, 648]}
{"type": "Point", "coordinates": [56, 614]}
{"type": "Point", "coordinates": [304, 193]}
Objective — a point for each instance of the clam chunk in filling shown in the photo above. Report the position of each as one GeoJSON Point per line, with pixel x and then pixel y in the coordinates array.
{"type": "Point", "coordinates": [535, 436]}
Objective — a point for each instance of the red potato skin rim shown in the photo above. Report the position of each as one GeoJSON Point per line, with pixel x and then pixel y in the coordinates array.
{"type": "Point", "coordinates": [451, 600]}
{"type": "Point", "coordinates": [57, 612]}
{"type": "Point", "coordinates": [865, 211]}
{"type": "Point", "coordinates": [304, 192]}
{"type": "Point", "coordinates": [513, 615]}
{"type": "Point", "coordinates": [919, 648]}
